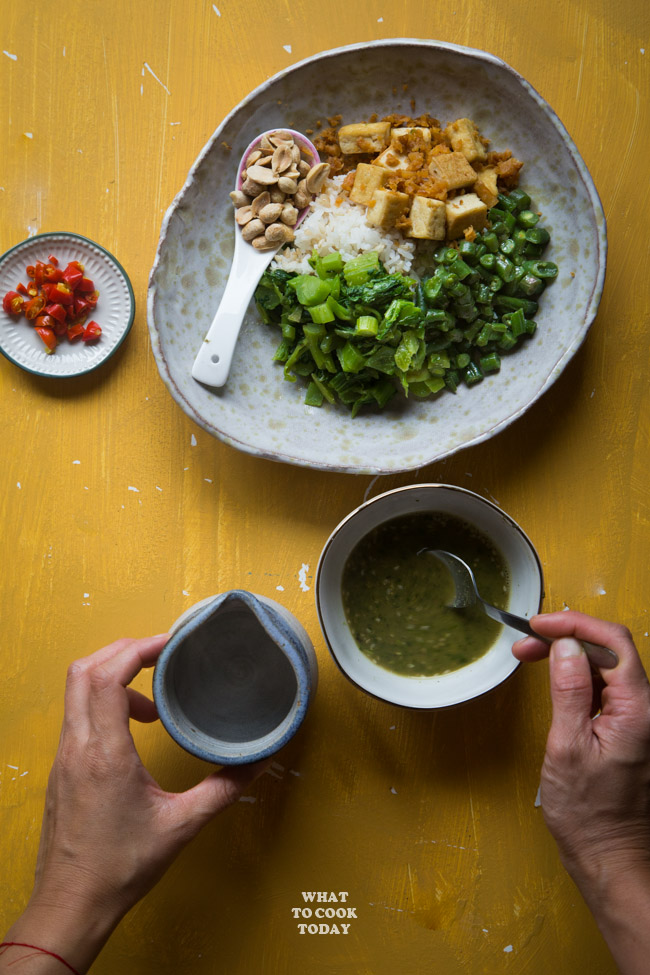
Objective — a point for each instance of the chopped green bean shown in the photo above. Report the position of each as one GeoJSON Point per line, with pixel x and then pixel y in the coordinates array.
{"type": "Point", "coordinates": [538, 235]}
{"type": "Point", "coordinates": [490, 362]}
{"type": "Point", "coordinates": [472, 373]}
{"type": "Point", "coordinates": [288, 331]}
{"type": "Point", "coordinates": [367, 325]}
{"type": "Point", "coordinates": [314, 395]}
{"type": "Point", "coordinates": [322, 314]}
{"type": "Point", "coordinates": [332, 263]}
{"type": "Point", "coordinates": [358, 334]}
{"type": "Point", "coordinates": [527, 218]}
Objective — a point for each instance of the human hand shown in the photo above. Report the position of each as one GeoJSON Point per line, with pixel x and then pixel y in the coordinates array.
{"type": "Point", "coordinates": [596, 775]}
{"type": "Point", "coordinates": [596, 772]}
{"type": "Point", "coordinates": [109, 830]}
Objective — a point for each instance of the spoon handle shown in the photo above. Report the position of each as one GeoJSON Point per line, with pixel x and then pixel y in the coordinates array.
{"type": "Point", "coordinates": [598, 656]}
{"type": "Point", "coordinates": [214, 358]}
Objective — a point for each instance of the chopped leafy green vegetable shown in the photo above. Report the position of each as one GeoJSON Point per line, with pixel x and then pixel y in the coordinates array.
{"type": "Point", "coordinates": [358, 335]}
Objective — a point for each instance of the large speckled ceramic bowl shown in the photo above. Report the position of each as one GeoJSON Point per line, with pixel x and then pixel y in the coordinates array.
{"type": "Point", "coordinates": [257, 411]}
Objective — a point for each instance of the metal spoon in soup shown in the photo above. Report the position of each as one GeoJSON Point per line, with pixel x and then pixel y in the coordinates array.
{"type": "Point", "coordinates": [466, 594]}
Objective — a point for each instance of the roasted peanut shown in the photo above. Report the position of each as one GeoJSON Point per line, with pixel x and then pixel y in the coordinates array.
{"type": "Point", "coordinates": [278, 233]}
{"type": "Point", "coordinates": [260, 201]}
{"type": "Point", "coordinates": [262, 175]}
{"type": "Point", "coordinates": [262, 244]}
{"type": "Point", "coordinates": [287, 185]}
{"type": "Point", "coordinates": [243, 215]}
{"type": "Point", "coordinates": [316, 177]}
{"type": "Point", "coordinates": [281, 159]}
{"type": "Point", "coordinates": [239, 199]}
{"type": "Point", "coordinates": [251, 188]}
{"type": "Point", "coordinates": [270, 212]}
{"type": "Point", "coordinates": [289, 215]}
{"type": "Point", "coordinates": [253, 229]}
{"type": "Point", "coordinates": [278, 182]}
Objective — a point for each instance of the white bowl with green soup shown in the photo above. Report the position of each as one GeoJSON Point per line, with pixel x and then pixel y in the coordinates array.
{"type": "Point", "coordinates": [383, 600]}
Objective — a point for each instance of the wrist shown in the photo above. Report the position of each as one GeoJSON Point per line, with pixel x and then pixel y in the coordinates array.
{"type": "Point", "coordinates": [65, 922]}
{"type": "Point", "coordinates": [617, 891]}
{"type": "Point", "coordinates": [604, 876]}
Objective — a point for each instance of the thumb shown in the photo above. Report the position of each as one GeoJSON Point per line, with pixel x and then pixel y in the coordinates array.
{"type": "Point", "coordinates": [571, 689]}
{"type": "Point", "coordinates": [219, 790]}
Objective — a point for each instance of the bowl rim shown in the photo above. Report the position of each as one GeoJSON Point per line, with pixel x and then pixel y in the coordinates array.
{"type": "Point", "coordinates": [591, 307]}
{"type": "Point", "coordinates": [53, 234]}
{"type": "Point", "coordinates": [366, 504]}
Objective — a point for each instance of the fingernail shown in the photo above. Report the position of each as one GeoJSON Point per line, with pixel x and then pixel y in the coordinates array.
{"type": "Point", "coordinates": [567, 647]}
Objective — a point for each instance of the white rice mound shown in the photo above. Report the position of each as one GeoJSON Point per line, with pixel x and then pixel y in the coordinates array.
{"type": "Point", "coordinates": [337, 224]}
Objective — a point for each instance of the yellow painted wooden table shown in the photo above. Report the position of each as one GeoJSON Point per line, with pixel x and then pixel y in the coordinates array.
{"type": "Point", "coordinates": [428, 821]}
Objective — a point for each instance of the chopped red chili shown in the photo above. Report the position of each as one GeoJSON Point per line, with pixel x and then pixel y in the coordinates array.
{"type": "Point", "coordinates": [73, 276]}
{"type": "Point", "coordinates": [51, 273]}
{"type": "Point", "coordinates": [92, 331]}
{"type": "Point", "coordinates": [45, 321]}
{"type": "Point", "coordinates": [48, 337]}
{"type": "Point", "coordinates": [57, 312]}
{"type": "Point", "coordinates": [59, 302]}
{"type": "Point", "coordinates": [61, 293]}
{"type": "Point", "coordinates": [13, 303]}
{"type": "Point", "coordinates": [75, 331]}
{"type": "Point", "coordinates": [34, 307]}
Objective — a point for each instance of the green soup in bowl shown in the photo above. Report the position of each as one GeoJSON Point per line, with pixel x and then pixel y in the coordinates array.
{"type": "Point", "coordinates": [376, 632]}
{"type": "Point", "coordinates": [397, 596]}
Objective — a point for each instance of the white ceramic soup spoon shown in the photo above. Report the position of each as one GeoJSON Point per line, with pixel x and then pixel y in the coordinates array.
{"type": "Point", "coordinates": [466, 594]}
{"type": "Point", "coordinates": [214, 358]}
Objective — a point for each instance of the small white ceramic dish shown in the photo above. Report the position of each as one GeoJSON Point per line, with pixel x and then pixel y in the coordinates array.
{"type": "Point", "coordinates": [261, 413]}
{"type": "Point", "coordinates": [473, 680]}
{"type": "Point", "coordinates": [235, 680]}
{"type": "Point", "coordinates": [114, 312]}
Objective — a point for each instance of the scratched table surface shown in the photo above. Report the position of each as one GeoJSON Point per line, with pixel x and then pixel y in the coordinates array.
{"type": "Point", "coordinates": [118, 512]}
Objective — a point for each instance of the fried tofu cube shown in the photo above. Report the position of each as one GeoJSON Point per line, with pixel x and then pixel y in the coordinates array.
{"type": "Point", "coordinates": [485, 186]}
{"type": "Point", "coordinates": [453, 169]}
{"type": "Point", "coordinates": [385, 208]}
{"type": "Point", "coordinates": [464, 138]}
{"type": "Point", "coordinates": [463, 212]}
{"type": "Point", "coordinates": [416, 130]}
{"type": "Point", "coordinates": [364, 137]}
{"type": "Point", "coordinates": [392, 159]}
{"type": "Point", "coordinates": [367, 179]}
{"type": "Point", "coordinates": [428, 219]}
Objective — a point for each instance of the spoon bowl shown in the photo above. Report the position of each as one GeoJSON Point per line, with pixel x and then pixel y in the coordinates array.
{"type": "Point", "coordinates": [214, 358]}
{"type": "Point", "coordinates": [466, 594]}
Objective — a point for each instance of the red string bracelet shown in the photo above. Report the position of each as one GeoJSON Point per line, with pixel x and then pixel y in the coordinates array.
{"type": "Point", "coordinates": [52, 954]}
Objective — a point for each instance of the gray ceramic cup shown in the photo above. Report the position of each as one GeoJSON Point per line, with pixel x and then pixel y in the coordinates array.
{"type": "Point", "coordinates": [234, 682]}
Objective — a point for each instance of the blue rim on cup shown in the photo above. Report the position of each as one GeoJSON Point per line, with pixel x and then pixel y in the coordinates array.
{"type": "Point", "coordinates": [235, 680]}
